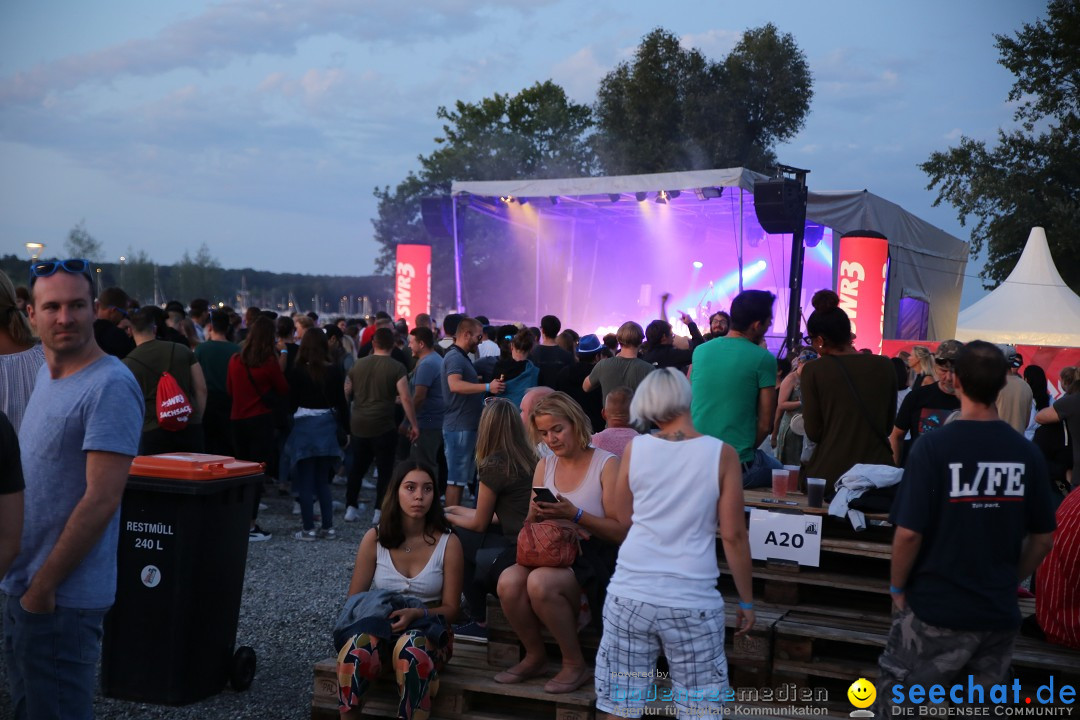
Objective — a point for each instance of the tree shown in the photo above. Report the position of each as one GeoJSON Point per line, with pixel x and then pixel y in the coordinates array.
{"type": "Point", "coordinates": [537, 133]}
{"type": "Point", "coordinates": [197, 277]}
{"type": "Point", "coordinates": [139, 275]}
{"type": "Point", "coordinates": [1032, 176]}
{"type": "Point", "coordinates": [671, 109]}
{"type": "Point", "coordinates": [81, 244]}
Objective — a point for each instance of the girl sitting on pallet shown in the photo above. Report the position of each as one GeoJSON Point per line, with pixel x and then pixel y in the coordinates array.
{"type": "Point", "coordinates": [405, 590]}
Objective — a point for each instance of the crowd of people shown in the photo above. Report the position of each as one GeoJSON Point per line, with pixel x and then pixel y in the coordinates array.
{"type": "Point", "coordinates": [569, 476]}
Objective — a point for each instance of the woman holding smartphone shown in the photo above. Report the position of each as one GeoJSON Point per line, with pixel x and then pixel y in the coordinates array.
{"type": "Point", "coordinates": [582, 479]}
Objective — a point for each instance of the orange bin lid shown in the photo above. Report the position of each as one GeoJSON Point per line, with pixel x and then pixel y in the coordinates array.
{"type": "Point", "coordinates": [192, 466]}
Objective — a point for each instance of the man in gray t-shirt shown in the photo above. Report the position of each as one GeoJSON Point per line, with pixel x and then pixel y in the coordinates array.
{"type": "Point", "coordinates": [78, 436]}
{"type": "Point", "coordinates": [463, 402]}
{"type": "Point", "coordinates": [426, 386]}
{"type": "Point", "coordinates": [625, 369]}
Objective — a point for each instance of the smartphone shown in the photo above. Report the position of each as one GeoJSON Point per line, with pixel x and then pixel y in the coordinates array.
{"type": "Point", "coordinates": [542, 494]}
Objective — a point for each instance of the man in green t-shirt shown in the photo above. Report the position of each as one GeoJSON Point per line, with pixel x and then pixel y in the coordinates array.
{"type": "Point", "coordinates": [733, 380]}
{"type": "Point", "coordinates": [213, 356]}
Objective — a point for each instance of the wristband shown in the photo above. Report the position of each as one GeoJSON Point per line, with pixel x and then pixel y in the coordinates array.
{"type": "Point", "coordinates": [283, 352]}
{"type": "Point", "coordinates": [745, 605]}
{"type": "Point", "coordinates": [895, 590]}
{"type": "Point", "coordinates": [487, 387]}
{"type": "Point", "coordinates": [577, 517]}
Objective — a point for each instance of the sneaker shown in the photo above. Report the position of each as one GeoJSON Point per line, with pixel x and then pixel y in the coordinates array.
{"type": "Point", "coordinates": [351, 514]}
{"type": "Point", "coordinates": [473, 630]}
{"type": "Point", "coordinates": [327, 534]}
{"type": "Point", "coordinates": [263, 506]}
{"type": "Point", "coordinates": [376, 517]}
{"type": "Point", "coordinates": [257, 534]}
{"type": "Point", "coordinates": [296, 507]}
{"type": "Point", "coordinates": [340, 480]}
{"type": "Point", "coordinates": [305, 535]}
{"type": "Point", "coordinates": [337, 505]}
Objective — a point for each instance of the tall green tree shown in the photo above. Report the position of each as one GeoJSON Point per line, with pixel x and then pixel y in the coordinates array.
{"type": "Point", "coordinates": [81, 244]}
{"type": "Point", "coordinates": [537, 133]}
{"type": "Point", "coordinates": [1032, 175]}
{"type": "Point", "coordinates": [198, 276]}
{"type": "Point", "coordinates": [139, 275]}
{"type": "Point", "coordinates": [671, 108]}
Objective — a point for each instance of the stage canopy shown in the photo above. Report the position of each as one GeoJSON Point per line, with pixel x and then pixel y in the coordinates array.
{"type": "Point", "coordinates": [1033, 306]}
{"type": "Point", "coordinates": [598, 251]}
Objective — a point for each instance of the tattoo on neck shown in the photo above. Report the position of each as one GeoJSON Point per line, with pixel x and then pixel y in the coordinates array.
{"type": "Point", "coordinates": [677, 435]}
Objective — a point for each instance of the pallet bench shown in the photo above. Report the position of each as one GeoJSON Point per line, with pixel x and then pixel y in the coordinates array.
{"type": "Point", "coordinates": [749, 657]}
{"type": "Point", "coordinates": [814, 648]}
{"type": "Point", "coordinates": [466, 690]}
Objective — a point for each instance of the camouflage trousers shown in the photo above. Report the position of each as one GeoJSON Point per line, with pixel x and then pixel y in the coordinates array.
{"type": "Point", "coordinates": [920, 653]}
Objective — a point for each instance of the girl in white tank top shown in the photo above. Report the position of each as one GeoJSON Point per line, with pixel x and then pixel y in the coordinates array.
{"type": "Point", "coordinates": [413, 555]}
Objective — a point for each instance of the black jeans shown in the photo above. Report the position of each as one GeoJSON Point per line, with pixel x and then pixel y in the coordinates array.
{"type": "Point", "coordinates": [380, 450]}
{"type": "Point", "coordinates": [253, 439]}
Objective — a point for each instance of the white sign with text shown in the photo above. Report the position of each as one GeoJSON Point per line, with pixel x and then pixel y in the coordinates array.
{"type": "Point", "coordinates": [785, 536]}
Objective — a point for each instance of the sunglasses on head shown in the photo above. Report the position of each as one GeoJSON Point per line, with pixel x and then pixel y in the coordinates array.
{"type": "Point", "coordinates": [75, 266]}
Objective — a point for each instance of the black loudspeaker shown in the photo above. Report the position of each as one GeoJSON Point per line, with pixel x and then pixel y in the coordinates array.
{"type": "Point", "coordinates": [437, 215]}
{"type": "Point", "coordinates": [780, 205]}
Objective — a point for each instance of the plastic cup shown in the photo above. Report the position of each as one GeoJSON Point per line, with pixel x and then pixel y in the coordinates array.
{"type": "Point", "coordinates": [779, 483]}
{"type": "Point", "coordinates": [793, 478]}
{"type": "Point", "coordinates": [815, 492]}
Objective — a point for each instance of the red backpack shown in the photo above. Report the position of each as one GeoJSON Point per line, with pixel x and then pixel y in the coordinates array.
{"type": "Point", "coordinates": [173, 407]}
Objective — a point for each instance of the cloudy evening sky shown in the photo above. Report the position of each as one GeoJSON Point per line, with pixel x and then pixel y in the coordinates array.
{"type": "Point", "coordinates": [261, 128]}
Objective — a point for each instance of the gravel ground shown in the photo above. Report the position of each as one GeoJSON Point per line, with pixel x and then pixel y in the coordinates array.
{"type": "Point", "coordinates": [292, 593]}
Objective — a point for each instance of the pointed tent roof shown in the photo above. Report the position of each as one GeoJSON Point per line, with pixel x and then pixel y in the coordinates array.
{"type": "Point", "coordinates": [1033, 306]}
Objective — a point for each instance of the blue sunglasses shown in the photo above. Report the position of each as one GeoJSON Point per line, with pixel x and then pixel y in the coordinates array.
{"type": "Point", "coordinates": [75, 266]}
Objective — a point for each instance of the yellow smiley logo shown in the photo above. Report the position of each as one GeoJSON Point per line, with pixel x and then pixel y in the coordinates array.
{"type": "Point", "coordinates": [862, 693]}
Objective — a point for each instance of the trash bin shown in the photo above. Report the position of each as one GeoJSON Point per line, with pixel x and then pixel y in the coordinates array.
{"type": "Point", "coordinates": [183, 546]}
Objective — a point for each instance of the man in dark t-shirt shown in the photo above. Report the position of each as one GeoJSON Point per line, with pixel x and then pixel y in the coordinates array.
{"type": "Point", "coordinates": [548, 356]}
{"type": "Point", "coordinates": [111, 311]}
{"type": "Point", "coordinates": [973, 516]}
{"type": "Point", "coordinates": [926, 407]}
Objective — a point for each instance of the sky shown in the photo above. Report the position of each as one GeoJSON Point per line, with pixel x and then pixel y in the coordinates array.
{"type": "Point", "coordinates": [261, 128]}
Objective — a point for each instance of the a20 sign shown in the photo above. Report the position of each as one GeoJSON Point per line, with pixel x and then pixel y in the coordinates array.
{"type": "Point", "coordinates": [785, 536]}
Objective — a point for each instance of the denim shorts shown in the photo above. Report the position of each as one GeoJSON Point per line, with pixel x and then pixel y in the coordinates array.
{"type": "Point", "coordinates": [460, 448]}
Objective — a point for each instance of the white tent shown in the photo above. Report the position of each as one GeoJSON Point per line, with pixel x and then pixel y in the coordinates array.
{"type": "Point", "coordinates": [1033, 306]}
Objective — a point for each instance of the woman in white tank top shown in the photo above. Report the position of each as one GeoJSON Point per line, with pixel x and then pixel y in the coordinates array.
{"type": "Point", "coordinates": [676, 485]}
{"type": "Point", "coordinates": [583, 480]}
{"type": "Point", "coordinates": [411, 553]}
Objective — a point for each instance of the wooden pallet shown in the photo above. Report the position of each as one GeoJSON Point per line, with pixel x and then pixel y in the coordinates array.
{"type": "Point", "coordinates": [466, 690]}
{"type": "Point", "coordinates": [749, 656]}
{"type": "Point", "coordinates": [816, 647]}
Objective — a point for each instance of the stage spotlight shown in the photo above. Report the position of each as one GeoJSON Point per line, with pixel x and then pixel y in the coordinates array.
{"type": "Point", "coordinates": [707, 193]}
{"type": "Point", "coordinates": [614, 197]}
{"type": "Point", "coordinates": [697, 265]}
{"type": "Point", "coordinates": [554, 199]}
{"type": "Point", "coordinates": [523, 201]}
{"type": "Point", "coordinates": [506, 199]}
{"type": "Point", "coordinates": [661, 197]}
{"type": "Point", "coordinates": [674, 193]}
{"type": "Point", "coordinates": [641, 196]}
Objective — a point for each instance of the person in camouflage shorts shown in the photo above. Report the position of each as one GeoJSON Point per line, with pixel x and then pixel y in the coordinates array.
{"type": "Point", "coordinates": [973, 516]}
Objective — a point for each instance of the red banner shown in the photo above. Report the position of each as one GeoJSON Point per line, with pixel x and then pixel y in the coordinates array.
{"type": "Point", "coordinates": [863, 270]}
{"type": "Point", "coordinates": [1050, 359]}
{"type": "Point", "coordinates": [412, 287]}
